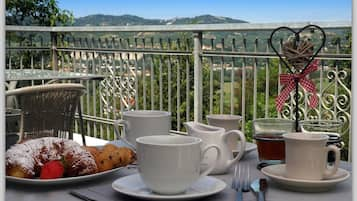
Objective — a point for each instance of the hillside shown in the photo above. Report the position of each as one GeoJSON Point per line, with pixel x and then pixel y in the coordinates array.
{"type": "Point", "coordinates": [126, 20]}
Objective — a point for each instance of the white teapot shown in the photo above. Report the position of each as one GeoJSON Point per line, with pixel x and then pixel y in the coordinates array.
{"type": "Point", "coordinates": [217, 136]}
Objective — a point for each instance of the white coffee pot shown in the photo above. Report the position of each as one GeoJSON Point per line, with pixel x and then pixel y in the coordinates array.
{"type": "Point", "coordinates": [217, 136]}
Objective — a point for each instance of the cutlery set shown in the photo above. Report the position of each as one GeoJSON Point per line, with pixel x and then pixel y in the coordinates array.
{"type": "Point", "coordinates": [241, 183]}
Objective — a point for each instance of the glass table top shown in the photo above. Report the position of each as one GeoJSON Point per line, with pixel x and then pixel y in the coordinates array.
{"type": "Point", "coordinates": [39, 74]}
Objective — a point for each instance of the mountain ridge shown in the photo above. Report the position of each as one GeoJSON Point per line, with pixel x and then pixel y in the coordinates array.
{"type": "Point", "coordinates": [128, 20]}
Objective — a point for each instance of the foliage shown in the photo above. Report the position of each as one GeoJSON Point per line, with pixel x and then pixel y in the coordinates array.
{"type": "Point", "coordinates": [172, 67]}
{"type": "Point", "coordinates": [36, 12]}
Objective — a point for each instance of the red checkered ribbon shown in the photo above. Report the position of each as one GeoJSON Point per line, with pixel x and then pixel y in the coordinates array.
{"type": "Point", "coordinates": [290, 81]}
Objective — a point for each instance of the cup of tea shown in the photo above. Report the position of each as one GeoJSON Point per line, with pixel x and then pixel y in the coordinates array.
{"type": "Point", "coordinates": [306, 156]}
{"type": "Point", "coordinates": [171, 164]}
{"type": "Point", "coordinates": [228, 122]}
{"type": "Point", "coordinates": [138, 123]}
{"type": "Point", "coordinates": [268, 135]}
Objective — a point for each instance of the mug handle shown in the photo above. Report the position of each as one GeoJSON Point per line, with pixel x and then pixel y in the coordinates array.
{"type": "Point", "coordinates": [336, 164]}
{"type": "Point", "coordinates": [212, 165]}
{"type": "Point", "coordinates": [242, 142]}
{"type": "Point", "coordinates": [126, 126]}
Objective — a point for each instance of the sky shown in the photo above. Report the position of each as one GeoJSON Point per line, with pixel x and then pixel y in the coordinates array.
{"type": "Point", "coordinates": [254, 11]}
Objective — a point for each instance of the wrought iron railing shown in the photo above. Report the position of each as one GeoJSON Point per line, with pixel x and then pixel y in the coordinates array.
{"type": "Point", "coordinates": [189, 70]}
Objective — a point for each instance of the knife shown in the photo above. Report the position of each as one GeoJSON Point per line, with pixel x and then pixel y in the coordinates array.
{"type": "Point", "coordinates": [259, 186]}
{"type": "Point", "coordinates": [81, 196]}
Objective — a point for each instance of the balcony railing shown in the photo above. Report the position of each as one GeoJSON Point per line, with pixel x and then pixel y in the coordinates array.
{"type": "Point", "coordinates": [189, 70]}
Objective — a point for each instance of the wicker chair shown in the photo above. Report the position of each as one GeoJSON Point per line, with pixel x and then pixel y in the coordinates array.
{"type": "Point", "coordinates": [47, 110]}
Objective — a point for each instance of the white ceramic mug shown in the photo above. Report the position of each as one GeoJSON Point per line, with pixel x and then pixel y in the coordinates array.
{"type": "Point", "coordinates": [170, 164]}
{"type": "Point", "coordinates": [228, 122]}
{"type": "Point", "coordinates": [217, 136]}
{"type": "Point", "coordinates": [306, 156]}
{"type": "Point", "coordinates": [138, 123]}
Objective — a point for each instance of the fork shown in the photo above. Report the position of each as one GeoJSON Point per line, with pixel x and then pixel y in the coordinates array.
{"type": "Point", "coordinates": [246, 179]}
{"type": "Point", "coordinates": [236, 185]}
{"type": "Point", "coordinates": [240, 180]}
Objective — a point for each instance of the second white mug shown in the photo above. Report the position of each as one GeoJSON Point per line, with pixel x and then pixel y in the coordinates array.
{"type": "Point", "coordinates": [306, 156]}
{"type": "Point", "coordinates": [138, 123]}
{"type": "Point", "coordinates": [228, 122]}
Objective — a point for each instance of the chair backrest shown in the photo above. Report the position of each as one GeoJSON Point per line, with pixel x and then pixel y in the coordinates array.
{"type": "Point", "coordinates": [47, 110]}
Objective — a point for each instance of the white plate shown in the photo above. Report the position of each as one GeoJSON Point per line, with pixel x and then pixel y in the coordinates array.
{"type": "Point", "coordinates": [65, 180]}
{"type": "Point", "coordinates": [248, 147]}
{"type": "Point", "coordinates": [277, 174]}
{"type": "Point", "coordinates": [132, 185]}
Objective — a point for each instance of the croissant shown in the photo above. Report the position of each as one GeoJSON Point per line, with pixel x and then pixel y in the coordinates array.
{"type": "Point", "coordinates": [123, 156]}
{"type": "Point", "coordinates": [111, 156]}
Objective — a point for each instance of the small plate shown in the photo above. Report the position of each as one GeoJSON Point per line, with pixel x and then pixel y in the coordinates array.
{"type": "Point", "coordinates": [65, 180]}
{"type": "Point", "coordinates": [277, 174]}
{"type": "Point", "coordinates": [248, 147]}
{"type": "Point", "coordinates": [132, 185]}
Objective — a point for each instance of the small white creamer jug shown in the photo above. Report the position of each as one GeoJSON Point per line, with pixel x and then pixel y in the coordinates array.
{"type": "Point", "coordinates": [217, 136]}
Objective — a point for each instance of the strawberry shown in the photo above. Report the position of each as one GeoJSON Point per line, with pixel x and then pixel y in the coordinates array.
{"type": "Point", "coordinates": [52, 170]}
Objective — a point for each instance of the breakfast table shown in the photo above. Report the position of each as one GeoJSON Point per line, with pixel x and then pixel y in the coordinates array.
{"type": "Point", "coordinates": [42, 74]}
{"type": "Point", "coordinates": [101, 188]}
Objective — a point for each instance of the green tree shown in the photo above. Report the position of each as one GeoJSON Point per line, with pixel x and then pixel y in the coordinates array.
{"type": "Point", "coordinates": [178, 65]}
{"type": "Point", "coordinates": [36, 12]}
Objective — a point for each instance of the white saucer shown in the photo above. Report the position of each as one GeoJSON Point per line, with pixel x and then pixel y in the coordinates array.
{"type": "Point", "coordinates": [248, 147]}
{"type": "Point", "coordinates": [277, 174]}
{"type": "Point", "coordinates": [132, 185]}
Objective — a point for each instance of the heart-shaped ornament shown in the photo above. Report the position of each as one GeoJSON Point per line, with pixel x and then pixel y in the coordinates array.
{"type": "Point", "coordinates": [301, 47]}
{"type": "Point", "coordinates": [298, 54]}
